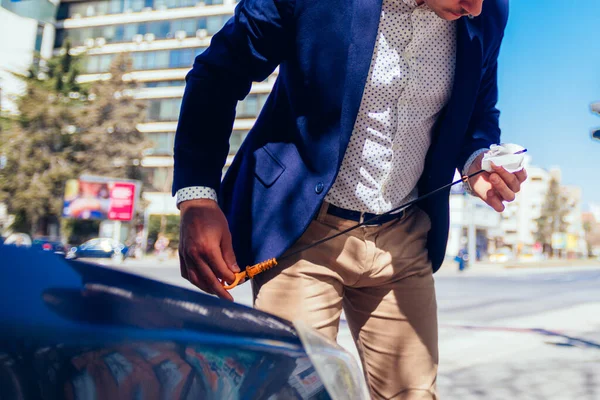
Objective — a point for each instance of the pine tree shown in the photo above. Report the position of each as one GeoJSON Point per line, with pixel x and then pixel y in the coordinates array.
{"type": "Point", "coordinates": [37, 146]}
{"type": "Point", "coordinates": [65, 129]}
{"type": "Point", "coordinates": [109, 127]}
{"type": "Point", "coordinates": [552, 218]}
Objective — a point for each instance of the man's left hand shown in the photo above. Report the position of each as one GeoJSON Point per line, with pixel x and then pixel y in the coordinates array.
{"type": "Point", "coordinates": [496, 187]}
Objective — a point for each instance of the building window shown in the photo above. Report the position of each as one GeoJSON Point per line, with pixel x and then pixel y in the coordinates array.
{"type": "Point", "coordinates": [236, 140]}
{"type": "Point", "coordinates": [251, 105]}
{"type": "Point", "coordinates": [123, 33]}
{"type": "Point", "coordinates": [163, 143]}
{"type": "Point", "coordinates": [157, 179]}
{"type": "Point", "coordinates": [164, 109]}
{"type": "Point", "coordinates": [146, 60]}
{"type": "Point", "coordinates": [163, 84]}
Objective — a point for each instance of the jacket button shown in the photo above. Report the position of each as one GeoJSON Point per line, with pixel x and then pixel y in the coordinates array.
{"type": "Point", "coordinates": [319, 188]}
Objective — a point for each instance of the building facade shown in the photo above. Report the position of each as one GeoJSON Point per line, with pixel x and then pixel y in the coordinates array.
{"type": "Point", "coordinates": [162, 37]}
{"type": "Point", "coordinates": [519, 220]}
{"type": "Point", "coordinates": [27, 32]}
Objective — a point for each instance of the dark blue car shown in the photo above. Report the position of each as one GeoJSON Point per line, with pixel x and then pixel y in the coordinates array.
{"type": "Point", "coordinates": [73, 330]}
{"type": "Point", "coordinates": [99, 248]}
{"type": "Point", "coordinates": [53, 245]}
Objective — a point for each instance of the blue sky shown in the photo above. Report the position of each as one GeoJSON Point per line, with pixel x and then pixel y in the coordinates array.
{"type": "Point", "coordinates": [549, 73]}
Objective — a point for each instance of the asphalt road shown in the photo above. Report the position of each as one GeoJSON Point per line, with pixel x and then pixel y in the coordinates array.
{"type": "Point", "coordinates": [504, 334]}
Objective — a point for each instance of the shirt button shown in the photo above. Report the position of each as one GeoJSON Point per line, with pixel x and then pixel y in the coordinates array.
{"type": "Point", "coordinates": [319, 188]}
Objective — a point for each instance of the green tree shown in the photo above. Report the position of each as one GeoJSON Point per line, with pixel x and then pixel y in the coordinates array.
{"type": "Point", "coordinates": [37, 145]}
{"type": "Point", "coordinates": [108, 126]}
{"type": "Point", "coordinates": [65, 129]}
{"type": "Point", "coordinates": [552, 218]}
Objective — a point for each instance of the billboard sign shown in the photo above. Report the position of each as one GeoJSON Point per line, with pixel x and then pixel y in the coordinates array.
{"type": "Point", "coordinates": [100, 198]}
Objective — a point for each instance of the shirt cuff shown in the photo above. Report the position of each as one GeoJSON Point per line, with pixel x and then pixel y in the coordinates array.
{"type": "Point", "coordinates": [196, 192]}
{"type": "Point", "coordinates": [467, 166]}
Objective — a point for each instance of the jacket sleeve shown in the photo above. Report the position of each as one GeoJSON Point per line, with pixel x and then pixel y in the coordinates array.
{"type": "Point", "coordinates": [247, 49]}
{"type": "Point", "coordinates": [484, 128]}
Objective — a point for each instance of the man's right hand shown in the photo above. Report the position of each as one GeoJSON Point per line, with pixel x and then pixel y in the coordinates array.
{"type": "Point", "coordinates": [205, 249]}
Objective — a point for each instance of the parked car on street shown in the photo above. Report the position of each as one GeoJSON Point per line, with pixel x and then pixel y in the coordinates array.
{"type": "Point", "coordinates": [54, 245]}
{"type": "Point", "coordinates": [99, 248]}
{"type": "Point", "coordinates": [18, 239]}
{"type": "Point", "coordinates": [83, 331]}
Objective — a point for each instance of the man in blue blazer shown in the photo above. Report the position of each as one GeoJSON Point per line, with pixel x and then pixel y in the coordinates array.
{"type": "Point", "coordinates": [376, 102]}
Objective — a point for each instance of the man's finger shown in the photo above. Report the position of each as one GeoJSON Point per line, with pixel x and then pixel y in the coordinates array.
{"type": "Point", "coordinates": [216, 287]}
{"type": "Point", "coordinates": [217, 264]}
{"type": "Point", "coordinates": [182, 267]}
{"type": "Point", "coordinates": [494, 201]}
{"type": "Point", "coordinates": [521, 175]}
{"type": "Point", "coordinates": [501, 188]}
{"type": "Point", "coordinates": [209, 281]}
{"type": "Point", "coordinates": [228, 254]}
{"type": "Point", "coordinates": [509, 179]}
{"type": "Point", "coordinates": [198, 283]}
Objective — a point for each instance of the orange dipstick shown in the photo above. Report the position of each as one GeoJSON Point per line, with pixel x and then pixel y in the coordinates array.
{"type": "Point", "coordinates": [250, 272]}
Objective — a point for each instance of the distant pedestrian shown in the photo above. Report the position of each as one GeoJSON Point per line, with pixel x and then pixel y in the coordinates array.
{"type": "Point", "coordinates": [462, 258]}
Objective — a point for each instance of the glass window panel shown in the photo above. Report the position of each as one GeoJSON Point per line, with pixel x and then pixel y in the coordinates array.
{"type": "Point", "coordinates": [202, 23]}
{"type": "Point", "coordinates": [137, 5]}
{"type": "Point", "coordinates": [109, 33]}
{"type": "Point", "coordinates": [119, 33]}
{"type": "Point", "coordinates": [150, 60]}
{"type": "Point", "coordinates": [115, 7]}
{"type": "Point", "coordinates": [237, 137]}
{"type": "Point", "coordinates": [187, 57]}
{"type": "Point", "coordinates": [102, 8]}
{"type": "Point", "coordinates": [92, 64]}
{"type": "Point", "coordinates": [130, 31]}
{"type": "Point", "coordinates": [142, 28]}
{"type": "Point", "coordinates": [214, 24]}
{"type": "Point", "coordinates": [189, 26]}
{"type": "Point", "coordinates": [153, 110]}
{"type": "Point", "coordinates": [105, 62]}
{"type": "Point", "coordinates": [174, 58]}
{"type": "Point", "coordinates": [162, 59]}
{"type": "Point", "coordinates": [163, 142]}
{"type": "Point", "coordinates": [138, 60]}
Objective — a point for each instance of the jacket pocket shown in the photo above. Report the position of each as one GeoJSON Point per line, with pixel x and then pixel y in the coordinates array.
{"type": "Point", "coordinates": [267, 168]}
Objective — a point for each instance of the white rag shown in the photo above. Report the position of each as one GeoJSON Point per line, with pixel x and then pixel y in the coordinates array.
{"type": "Point", "coordinates": [503, 155]}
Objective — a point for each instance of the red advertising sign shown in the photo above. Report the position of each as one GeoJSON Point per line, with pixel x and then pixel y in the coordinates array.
{"type": "Point", "coordinates": [100, 198]}
{"type": "Point", "coordinates": [122, 198]}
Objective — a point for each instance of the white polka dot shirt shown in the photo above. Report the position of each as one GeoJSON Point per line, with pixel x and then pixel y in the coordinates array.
{"type": "Point", "coordinates": [410, 81]}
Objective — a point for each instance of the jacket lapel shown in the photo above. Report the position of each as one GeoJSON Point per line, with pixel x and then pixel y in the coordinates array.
{"type": "Point", "coordinates": [365, 24]}
{"type": "Point", "coordinates": [467, 77]}
{"type": "Point", "coordinates": [454, 121]}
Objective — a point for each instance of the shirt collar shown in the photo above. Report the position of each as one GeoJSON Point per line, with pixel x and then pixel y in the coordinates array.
{"type": "Point", "coordinates": [413, 4]}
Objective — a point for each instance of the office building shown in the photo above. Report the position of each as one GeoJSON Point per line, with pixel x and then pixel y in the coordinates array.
{"type": "Point", "coordinates": [26, 32]}
{"type": "Point", "coordinates": [162, 37]}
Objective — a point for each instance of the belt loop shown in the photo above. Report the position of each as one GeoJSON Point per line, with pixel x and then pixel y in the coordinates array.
{"type": "Point", "coordinates": [362, 218]}
{"type": "Point", "coordinates": [322, 211]}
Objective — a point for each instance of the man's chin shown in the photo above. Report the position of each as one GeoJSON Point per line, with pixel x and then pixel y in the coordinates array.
{"type": "Point", "coordinates": [448, 15]}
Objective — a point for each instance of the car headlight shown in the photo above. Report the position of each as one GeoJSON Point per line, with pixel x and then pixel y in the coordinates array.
{"type": "Point", "coordinates": [337, 368]}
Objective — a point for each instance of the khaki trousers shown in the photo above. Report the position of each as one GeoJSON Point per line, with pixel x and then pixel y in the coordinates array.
{"type": "Point", "coordinates": [381, 277]}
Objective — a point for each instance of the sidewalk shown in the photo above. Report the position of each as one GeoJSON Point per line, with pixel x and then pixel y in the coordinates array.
{"type": "Point", "coordinates": [484, 268]}
{"type": "Point", "coordinates": [558, 360]}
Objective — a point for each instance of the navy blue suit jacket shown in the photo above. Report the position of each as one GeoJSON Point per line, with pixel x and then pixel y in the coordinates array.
{"type": "Point", "coordinates": [291, 157]}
